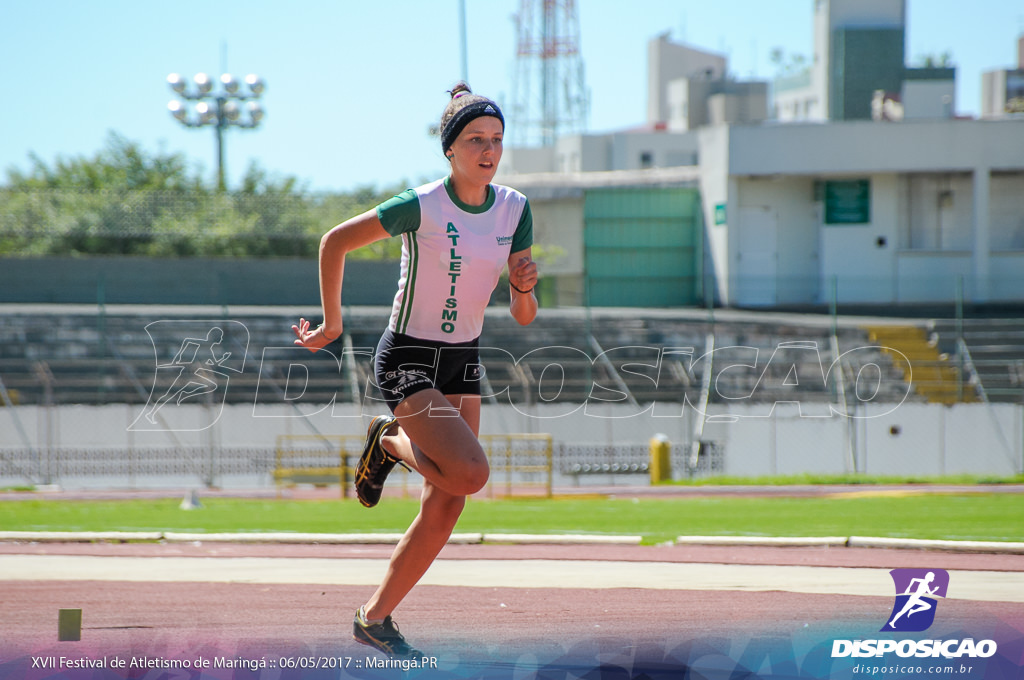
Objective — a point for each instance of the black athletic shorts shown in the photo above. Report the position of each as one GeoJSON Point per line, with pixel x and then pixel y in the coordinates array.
{"type": "Point", "coordinates": [405, 365]}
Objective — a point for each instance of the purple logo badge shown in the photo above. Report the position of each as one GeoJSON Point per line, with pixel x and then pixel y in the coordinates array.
{"type": "Point", "coordinates": [916, 590]}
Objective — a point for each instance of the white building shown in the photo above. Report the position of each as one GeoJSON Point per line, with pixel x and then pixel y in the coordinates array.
{"type": "Point", "coordinates": [867, 212]}
{"type": "Point", "coordinates": [866, 189]}
{"type": "Point", "coordinates": [668, 63]}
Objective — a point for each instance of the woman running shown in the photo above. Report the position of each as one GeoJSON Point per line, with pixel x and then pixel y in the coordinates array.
{"type": "Point", "coordinates": [458, 234]}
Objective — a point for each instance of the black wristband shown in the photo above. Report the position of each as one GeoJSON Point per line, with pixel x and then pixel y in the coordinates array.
{"type": "Point", "coordinates": [524, 292]}
{"type": "Point", "coordinates": [323, 333]}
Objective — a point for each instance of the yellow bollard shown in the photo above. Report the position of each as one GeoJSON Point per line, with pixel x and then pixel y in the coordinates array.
{"type": "Point", "coordinates": [661, 463]}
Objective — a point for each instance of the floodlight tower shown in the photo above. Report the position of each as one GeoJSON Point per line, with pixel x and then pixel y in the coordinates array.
{"type": "Point", "coordinates": [218, 109]}
{"type": "Point", "coordinates": [550, 97]}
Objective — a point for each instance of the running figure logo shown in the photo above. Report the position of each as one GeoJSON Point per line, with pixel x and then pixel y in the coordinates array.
{"type": "Point", "coordinates": [201, 366]}
{"type": "Point", "coordinates": [916, 590]}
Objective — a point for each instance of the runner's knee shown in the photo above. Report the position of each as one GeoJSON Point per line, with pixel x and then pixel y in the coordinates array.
{"type": "Point", "coordinates": [476, 476]}
{"type": "Point", "coordinates": [467, 477]}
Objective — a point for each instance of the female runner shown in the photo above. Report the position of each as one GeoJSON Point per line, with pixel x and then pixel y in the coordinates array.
{"type": "Point", "coordinates": [458, 234]}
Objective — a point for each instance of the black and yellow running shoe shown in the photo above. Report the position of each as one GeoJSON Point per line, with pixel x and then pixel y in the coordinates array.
{"type": "Point", "coordinates": [383, 637]}
{"type": "Point", "coordinates": [375, 464]}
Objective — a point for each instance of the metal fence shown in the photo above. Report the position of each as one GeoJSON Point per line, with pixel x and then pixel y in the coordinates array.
{"type": "Point", "coordinates": [521, 464]}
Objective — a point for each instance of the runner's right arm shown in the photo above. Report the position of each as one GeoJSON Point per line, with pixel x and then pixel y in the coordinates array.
{"type": "Point", "coordinates": [350, 235]}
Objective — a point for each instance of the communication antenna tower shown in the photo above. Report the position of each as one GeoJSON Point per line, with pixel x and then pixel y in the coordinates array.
{"type": "Point", "coordinates": [549, 95]}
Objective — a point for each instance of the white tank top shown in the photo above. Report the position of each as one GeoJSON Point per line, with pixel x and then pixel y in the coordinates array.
{"type": "Point", "coordinates": [452, 256]}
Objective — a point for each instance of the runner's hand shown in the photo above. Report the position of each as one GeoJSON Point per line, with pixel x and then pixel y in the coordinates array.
{"type": "Point", "coordinates": [311, 338]}
{"type": "Point", "coordinates": [524, 275]}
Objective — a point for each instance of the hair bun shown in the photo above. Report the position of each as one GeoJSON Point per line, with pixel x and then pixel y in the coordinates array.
{"type": "Point", "coordinates": [460, 89]}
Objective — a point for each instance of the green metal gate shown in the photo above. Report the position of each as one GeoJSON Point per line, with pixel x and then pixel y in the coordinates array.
{"type": "Point", "coordinates": [643, 246]}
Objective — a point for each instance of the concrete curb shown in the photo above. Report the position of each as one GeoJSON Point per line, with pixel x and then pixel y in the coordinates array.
{"type": "Point", "coordinates": [521, 539]}
{"type": "Point", "coordinates": [765, 541]}
{"type": "Point", "coordinates": [301, 538]}
{"type": "Point", "coordinates": [924, 544]}
{"type": "Point", "coordinates": [572, 539]}
{"type": "Point", "coordinates": [80, 536]}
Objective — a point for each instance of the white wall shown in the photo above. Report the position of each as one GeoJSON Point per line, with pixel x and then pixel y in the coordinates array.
{"type": "Point", "coordinates": [799, 262]}
{"type": "Point", "coordinates": [1007, 276]}
{"type": "Point", "coordinates": [717, 188]}
{"type": "Point", "coordinates": [928, 99]}
{"type": "Point", "coordinates": [1006, 213]}
{"type": "Point", "coordinates": [939, 212]}
{"type": "Point", "coordinates": [582, 153]}
{"type": "Point", "coordinates": [663, 147]}
{"type": "Point", "coordinates": [868, 146]}
{"type": "Point", "coordinates": [851, 255]}
{"type": "Point", "coordinates": [521, 160]}
{"type": "Point", "coordinates": [762, 439]}
{"type": "Point", "coordinates": [931, 440]}
{"type": "Point", "coordinates": [931, 276]}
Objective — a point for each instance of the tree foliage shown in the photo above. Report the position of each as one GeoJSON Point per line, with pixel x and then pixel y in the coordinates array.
{"type": "Point", "coordinates": [125, 200]}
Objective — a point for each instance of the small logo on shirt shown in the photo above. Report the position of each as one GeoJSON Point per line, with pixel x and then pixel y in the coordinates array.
{"type": "Point", "coordinates": [504, 240]}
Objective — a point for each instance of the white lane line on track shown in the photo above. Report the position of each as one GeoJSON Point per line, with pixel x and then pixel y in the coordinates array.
{"type": "Point", "coordinates": [987, 586]}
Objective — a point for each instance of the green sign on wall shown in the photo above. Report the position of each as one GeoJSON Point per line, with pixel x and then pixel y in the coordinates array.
{"type": "Point", "coordinates": [848, 201]}
{"type": "Point", "coordinates": [720, 213]}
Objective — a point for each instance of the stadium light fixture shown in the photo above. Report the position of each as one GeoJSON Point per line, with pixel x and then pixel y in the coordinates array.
{"type": "Point", "coordinates": [255, 83]}
{"type": "Point", "coordinates": [176, 82]}
{"type": "Point", "coordinates": [221, 109]}
{"type": "Point", "coordinates": [229, 83]}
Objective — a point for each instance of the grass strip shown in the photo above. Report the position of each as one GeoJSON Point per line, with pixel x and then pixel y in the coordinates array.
{"type": "Point", "coordinates": [846, 479]}
{"type": "Point", "coordinates": [975, 516]}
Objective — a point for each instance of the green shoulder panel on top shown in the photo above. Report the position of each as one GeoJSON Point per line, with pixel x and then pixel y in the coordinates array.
{"type": "Point", "coordinates": [523, 238]}
{"type": "Point", "coordinates": [400, 214]}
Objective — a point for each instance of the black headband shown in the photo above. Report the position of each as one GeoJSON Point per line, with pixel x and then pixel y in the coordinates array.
{"type": "Point", "coordinates": [463, 117]}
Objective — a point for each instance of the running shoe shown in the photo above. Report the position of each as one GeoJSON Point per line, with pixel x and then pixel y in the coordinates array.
{"type": "Point", "coordinates": [383, 637]}
{"type": "Point", "coordinates": [375, 464]}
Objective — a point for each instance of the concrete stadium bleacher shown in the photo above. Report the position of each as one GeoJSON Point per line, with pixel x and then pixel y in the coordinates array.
{"type": "Point", "coordinates": [994, 354]}
{"type": "Point", "coordinates": [88, 355]}
{"type": "Point", "coordinates": [657, 355]}
{"type": "Point", "coordinates": [73, 356]}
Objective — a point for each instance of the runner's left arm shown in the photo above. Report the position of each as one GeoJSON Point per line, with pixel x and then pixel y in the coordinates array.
{"type": "Point", "coordinates": [522, 275]}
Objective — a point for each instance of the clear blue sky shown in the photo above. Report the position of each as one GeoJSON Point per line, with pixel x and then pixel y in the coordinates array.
{"type": "Point", "coordinates": [353, 86]}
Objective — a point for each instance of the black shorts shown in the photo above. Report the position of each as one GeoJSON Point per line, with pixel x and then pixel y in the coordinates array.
{"type": "Point", "coordinates": [405, 365]}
